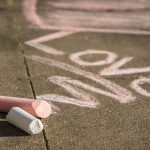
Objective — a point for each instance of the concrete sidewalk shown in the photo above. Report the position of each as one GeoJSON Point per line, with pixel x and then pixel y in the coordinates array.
{"type": "Point", "coordinates": [118, 122]}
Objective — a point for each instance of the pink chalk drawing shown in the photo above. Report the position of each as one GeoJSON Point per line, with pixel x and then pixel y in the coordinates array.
{"type": "Point", "coordinates": [98, 5]}
{"type": "Point", "coordinates": [136, 85]}
{"type": "Point", "coordinates": [114, 68]}
{"type": "Point", "coordinates": [78, 89]}
{"type": "Point", "coordinates": [29, 11]}
{"type": "Point", "coordinates": [74, 88]}
{"type": "Point", "coordinates": [87, 16]}
{"type": "Point", "coordinates": [119, 93]}
{"type": "Point", "coordinates": [75, 57]}
{"type": "Point", "coordinates": [69, 22]}
{"type": "Point", "coordinates": [36, 43]}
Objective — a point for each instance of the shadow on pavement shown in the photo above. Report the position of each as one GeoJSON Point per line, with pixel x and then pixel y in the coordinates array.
{"type": "Point", "coordinates": [8, 130]}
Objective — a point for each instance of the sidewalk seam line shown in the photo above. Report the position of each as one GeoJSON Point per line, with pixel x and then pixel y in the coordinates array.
{"type": "Point", "coordinates": [31, 84]}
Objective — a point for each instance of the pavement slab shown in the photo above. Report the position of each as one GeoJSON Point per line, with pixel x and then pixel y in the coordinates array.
{"type": "Point", "coordinates": [111, 126]}
{"type": "Point", "coordinates": [14, 81]}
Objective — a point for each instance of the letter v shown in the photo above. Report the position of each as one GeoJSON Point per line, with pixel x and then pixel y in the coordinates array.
{"type": "Point", "coordinates": [114, 68]}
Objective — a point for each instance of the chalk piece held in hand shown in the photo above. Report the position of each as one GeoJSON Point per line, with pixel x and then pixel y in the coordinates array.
{"type": "Point", "coordinates": [25, 121]}
{"type": "Point", "coordinates": [38, 108]}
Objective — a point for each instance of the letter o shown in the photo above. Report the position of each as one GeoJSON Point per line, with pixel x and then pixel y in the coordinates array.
{"type": "Point", "coordinates": [75, 57]}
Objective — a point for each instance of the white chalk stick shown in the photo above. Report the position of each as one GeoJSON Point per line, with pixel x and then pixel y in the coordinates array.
{"type": "Point", "coordinates": [25, 121]}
